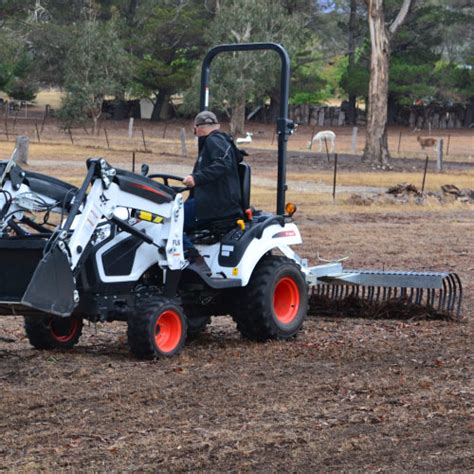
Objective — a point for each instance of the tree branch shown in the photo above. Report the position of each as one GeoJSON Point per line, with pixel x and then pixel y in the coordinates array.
{"type": "Point", "coordinates": [402, 14]}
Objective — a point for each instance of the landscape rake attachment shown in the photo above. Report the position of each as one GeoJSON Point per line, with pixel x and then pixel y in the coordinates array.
{"type": "Point", "coordinates": [387, 293]}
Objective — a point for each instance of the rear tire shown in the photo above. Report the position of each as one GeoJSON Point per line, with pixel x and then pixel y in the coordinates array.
{"type": "Point", "coordinates": [53, 332]}
{"type": "Point", "coordinates": [274, 303]}
{"type": "Point", "coordinates": [157, 328]}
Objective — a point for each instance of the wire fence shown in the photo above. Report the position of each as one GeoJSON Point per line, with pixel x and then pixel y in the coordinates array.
{"type": "Point", "coordinates": [146, 136]}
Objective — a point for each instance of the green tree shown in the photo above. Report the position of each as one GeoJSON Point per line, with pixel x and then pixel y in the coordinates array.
{"type": "Point", "coordinates": [16, 64]}
{"type": "Point", "coordinates": [241, 77]}
{"type": "Point", "coordinates": [167, 41]}
{"type": "Point", "coordinates": [97, 66]}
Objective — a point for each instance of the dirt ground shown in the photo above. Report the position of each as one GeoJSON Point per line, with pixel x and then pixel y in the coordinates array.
{"type": "Point", "coordinates": [346, 395]}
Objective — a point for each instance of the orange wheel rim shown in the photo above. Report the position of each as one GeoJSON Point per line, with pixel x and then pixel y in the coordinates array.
{"type": "Point", "coordinates": [168, 331]}
{"type": "Point", "coordinates": [64, 330]}
{"type": "Point", "coordinates": [286, 300]}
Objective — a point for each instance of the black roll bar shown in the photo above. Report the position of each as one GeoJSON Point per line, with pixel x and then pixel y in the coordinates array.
{"type": "Point", "coordinates": [285, 127]}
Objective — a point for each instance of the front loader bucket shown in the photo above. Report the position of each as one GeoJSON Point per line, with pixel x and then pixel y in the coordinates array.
{"type": "Point", "coordinates": [31, 282]}
{"type": "Point", "coordinates": [435, 293]}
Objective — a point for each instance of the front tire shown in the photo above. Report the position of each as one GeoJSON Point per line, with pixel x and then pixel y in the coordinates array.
{"type": "Point", "coordinates": [157, 328]}
{"type": "Point", "coordinates": [274, 303]}
{"type": "Point", "coordinates": [53, 332]}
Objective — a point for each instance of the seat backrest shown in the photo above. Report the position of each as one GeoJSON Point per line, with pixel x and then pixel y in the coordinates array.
{"type": "Point", "coordinates": [245, 175]}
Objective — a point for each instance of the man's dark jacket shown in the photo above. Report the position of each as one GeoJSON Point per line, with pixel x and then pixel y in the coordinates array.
{"type": "Point", "coordinates": [216, 178]}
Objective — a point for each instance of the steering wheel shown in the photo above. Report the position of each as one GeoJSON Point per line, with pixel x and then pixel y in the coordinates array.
{"type": "Point", "coordinates": [170, 177]}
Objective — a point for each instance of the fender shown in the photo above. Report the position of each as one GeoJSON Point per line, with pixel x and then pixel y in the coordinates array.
{"type": "Point", "coordinates": [242, 266]}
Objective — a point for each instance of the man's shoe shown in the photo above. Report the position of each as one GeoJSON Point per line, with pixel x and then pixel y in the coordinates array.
{"type": "Point", "coordinates": [196, 261]}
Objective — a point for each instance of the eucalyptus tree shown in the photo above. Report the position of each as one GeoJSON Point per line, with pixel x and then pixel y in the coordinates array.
{"type": "Point", "coordinates": [240, 77]}
{"type": "Point", "coordinates": [97, 66]}
{"type": "Point", "coordinates": [167, 40]}
{"type": "Point", "coordinates": [381, 36]}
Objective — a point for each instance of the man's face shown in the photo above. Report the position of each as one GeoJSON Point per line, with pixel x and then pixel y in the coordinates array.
{"type": "Point", "coordinates": [205, 129]}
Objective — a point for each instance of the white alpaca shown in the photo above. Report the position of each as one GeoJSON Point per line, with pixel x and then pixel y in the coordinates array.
{"type": "Point", "coordinates": [247, 139]}
{"type": "Point", "coordinates": [324, 136]}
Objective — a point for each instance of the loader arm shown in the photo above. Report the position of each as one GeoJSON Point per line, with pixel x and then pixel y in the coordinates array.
{"type": "Point", "coordinates": [52, 288]}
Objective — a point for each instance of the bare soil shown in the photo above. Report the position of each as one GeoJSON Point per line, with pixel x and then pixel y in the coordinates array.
{"type": "Point", "coordinates": [346, 395]}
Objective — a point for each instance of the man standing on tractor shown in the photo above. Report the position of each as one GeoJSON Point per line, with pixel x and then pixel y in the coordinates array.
{"type": "Point", "coordinates": [214, 182]}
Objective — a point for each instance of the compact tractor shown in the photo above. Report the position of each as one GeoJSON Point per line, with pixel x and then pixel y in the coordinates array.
{"type": "Point", "coordinates": [117, 254]}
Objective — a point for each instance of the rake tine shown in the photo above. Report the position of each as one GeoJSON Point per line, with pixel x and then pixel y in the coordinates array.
{"type": "Point", "coordinates": [452, 294]}
{"type": "Point", "coordinates": [442, 297]}
{"type": "Point", "coordinates": [419, 295]}
{"type": "Point", "coordinates": [449, 294]}
{"type": "Point", "coordinates": [432, 297]}
{"type": "Point", "coordinates": [370, 291]}
{"type": "Point", "coordinates": [403, 294]}
{"type": "Point", "coordinates": [377, 298]}
{"type": "Point", "coordinates": [458, 311]}
{"type": "Point", "coordinates": [456, 291]}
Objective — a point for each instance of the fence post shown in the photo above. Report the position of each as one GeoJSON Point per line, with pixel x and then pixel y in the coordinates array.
{"type": "Point", "coordinates": [399, 141]}
{"type": "Point", "coordinates": [424, 174]}
{"type": "Point", "coordinates": [355, 131]}
{"type": "Point", "coordinates": [22, 148]}
{"type": "Point", "coordinates": [144, 142]}
{"type": "Point", "coordinates": [335, 177]}
{"type": "Point", "coordinates": [37, 132]}
{"type": "Point", "coordinates": [106, 137]}
{"type": "Point", "coordinates": [182, 137]}
{"type": "Point", "coordinates": [327, 149]}
{"type": "Point", "coordinates": [130, 128]}
{"type": "Point", "coordinates": [439, 161]}
{"type": "Point", "coordinates": [45, 116]}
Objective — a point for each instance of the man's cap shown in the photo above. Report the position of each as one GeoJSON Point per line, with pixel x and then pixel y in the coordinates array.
{"type": "Point", "coordinates": [205, 117]}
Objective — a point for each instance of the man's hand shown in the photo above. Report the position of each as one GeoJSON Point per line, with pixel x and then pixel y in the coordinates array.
{"type": "Point", "coordinates": [189, 181]}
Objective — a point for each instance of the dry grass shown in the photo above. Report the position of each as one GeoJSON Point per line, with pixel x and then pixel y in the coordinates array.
{"type": "Point", "coordinates": [349, 394]}
{"type": "Point", "coordinates": [385, 180]}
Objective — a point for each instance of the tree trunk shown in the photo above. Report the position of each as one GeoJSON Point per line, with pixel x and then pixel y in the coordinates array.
{"type": "Point", "coordinates": [274, 109]}
{"type": "Point", "coordinates": [160, 102]}
{"type": "Point", "coordinates": [351, 110]}
{"type": "Point", "coordinates": [237, 119]}
{"type": "Point", "coordinates": [376, 145]}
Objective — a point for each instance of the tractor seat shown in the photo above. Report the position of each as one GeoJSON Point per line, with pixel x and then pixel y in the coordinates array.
{"type": "Point", "coordinates": [212, 232]}
{"type": "Point", "coordinates": [245, 181]}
